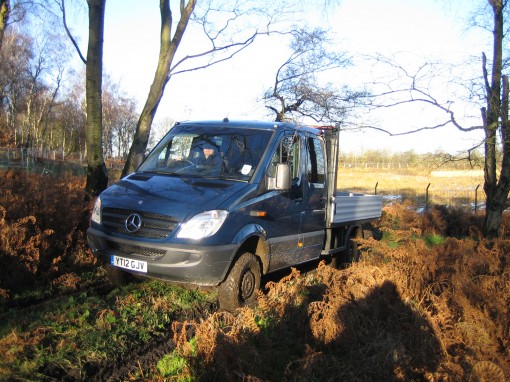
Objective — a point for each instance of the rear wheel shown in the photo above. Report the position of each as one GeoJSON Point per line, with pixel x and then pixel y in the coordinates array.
{"type": "Point", "coordinates": [349, 255]}
{"type": "Point", "coordinates": [241, 285]}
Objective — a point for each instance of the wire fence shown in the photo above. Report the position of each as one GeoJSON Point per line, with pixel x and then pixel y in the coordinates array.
{"type": "Point", "coordinates": [468, 199]}
{"type": "Point", "coordinates": [46, 161]}
{"type": "Point", "coordinates": [42, 161]}
{"type": "Point", "coordinates": [398, 165]}
{"type": "Point", "coordinates": [55, 163]}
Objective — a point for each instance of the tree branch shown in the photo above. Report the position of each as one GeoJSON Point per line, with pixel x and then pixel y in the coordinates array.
{"type": "Point", "coordinates": [239, 45]}
{"type": "Point", "coordinates": [485, 74]}
{"type": "Point", "coordinates": [69, 34]}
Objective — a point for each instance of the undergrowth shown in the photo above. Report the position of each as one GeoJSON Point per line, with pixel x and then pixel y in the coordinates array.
{"type": "Point", "coordinates": [428, 302]}
{"type": "Point", "coordinates": [43, 242]}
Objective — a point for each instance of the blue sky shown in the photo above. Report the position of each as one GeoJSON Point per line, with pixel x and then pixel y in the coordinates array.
{"type": "Point", "coordinates": [425, 29]}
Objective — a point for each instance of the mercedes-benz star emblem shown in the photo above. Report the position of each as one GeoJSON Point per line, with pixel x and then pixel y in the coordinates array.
{"type": "Point", "coordinates": [133, 223]}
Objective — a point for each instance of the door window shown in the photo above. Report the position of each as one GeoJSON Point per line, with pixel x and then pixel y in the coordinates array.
{"type": "Point", "coordinates": [288, 153]}
{"type": "Point", "coordinates": [315, 164]}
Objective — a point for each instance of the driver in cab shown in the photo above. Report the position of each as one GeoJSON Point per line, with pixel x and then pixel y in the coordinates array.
{"type": "Point", "coordinates": [209, 158]}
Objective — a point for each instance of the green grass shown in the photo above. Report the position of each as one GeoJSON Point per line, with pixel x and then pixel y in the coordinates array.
{"type": "Point", "coordinates": [174, 365]}
{"type": "Point", "coordinates": [171, 365]}
{"type": "Point", "coordinates": [85, 332]}
{"type": "Point", "coordinates": [433, 240]}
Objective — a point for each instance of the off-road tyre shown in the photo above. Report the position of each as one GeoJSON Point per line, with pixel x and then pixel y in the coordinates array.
{"type": "Point", "coordinates": [350, 255]}
{"type": "Point", "coordinates": [242, 284]}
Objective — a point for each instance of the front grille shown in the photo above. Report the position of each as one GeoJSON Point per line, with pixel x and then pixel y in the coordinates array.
{"type": "Point", "coordinates": [151, 253]}
{"type": "Point", "coordinates": [154, 226]}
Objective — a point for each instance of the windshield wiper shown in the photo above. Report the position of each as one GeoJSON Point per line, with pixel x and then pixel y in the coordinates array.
{"type": "Point", "coordinates": [159, 172]}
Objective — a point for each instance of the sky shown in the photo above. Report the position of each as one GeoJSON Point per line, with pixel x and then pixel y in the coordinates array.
{"type": "Point", "coordinates": [415, 30]}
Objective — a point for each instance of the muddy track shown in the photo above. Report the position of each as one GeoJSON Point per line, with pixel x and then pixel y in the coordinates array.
{"type": "Point", "coordinates": [146, 356]}
{"type": "Point", "coordinates": [139, 359]}
{"type": "Point", "coordinates": [142, 358]}
{"type": "Point", "coordinates": [101, 287]}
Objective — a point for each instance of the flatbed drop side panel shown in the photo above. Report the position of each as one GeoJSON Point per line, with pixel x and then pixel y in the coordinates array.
{"type": "Point", "coordinates": [349, 208]}
{"type": "Point", "coordinates": [345, 208]}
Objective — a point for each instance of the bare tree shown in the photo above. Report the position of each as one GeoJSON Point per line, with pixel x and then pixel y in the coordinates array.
{"type": "Point", "coordinates": [168, 48]}
{"type": "Point", "coordinates": [119, 120]}
{"type": "Point", "coordinates": [69, 128]}
{"type": "Point", "coordinates": [15, 83]}
{"type": "Point", "coordinates": [492, 90]}
{"type": "Point", "coordinates": [47, 67]}
{"type": "Point", "coordinates": [495, 119]}
{"type": "Point", "coordinates": [218, 22]}
{"type": "Point", "coordinates": [15, 12]}
{"type": "Point", "coordinates": [32, 68]}
{"type": "Point", "coordinates": [297, 89]}
{"type": "Point", "coordinates": [97, 175]}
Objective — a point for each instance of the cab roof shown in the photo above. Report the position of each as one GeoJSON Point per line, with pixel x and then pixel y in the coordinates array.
{"type": "Point", "coordinates": [261, 125]}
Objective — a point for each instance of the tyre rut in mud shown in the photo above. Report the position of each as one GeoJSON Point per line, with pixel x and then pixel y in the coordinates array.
{"type": "Point", "coordinates": [146, 356]}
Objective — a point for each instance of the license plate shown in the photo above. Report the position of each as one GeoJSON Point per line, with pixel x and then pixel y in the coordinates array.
{"type": "Point", "coordinates": [133, 265]}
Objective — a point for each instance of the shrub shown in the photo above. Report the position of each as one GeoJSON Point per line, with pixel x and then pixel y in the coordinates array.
{"type": "Point", "coordinates": [42, 222]}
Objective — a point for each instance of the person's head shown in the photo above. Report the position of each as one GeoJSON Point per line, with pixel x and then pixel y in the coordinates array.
{"type": "Point", "coordinates": [208, 149]}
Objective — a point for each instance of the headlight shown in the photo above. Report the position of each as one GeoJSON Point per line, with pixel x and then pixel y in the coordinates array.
{"type": "Point", "coordinates": [203, 225]}
{"type": "Point", "coordinates": [96, 211]}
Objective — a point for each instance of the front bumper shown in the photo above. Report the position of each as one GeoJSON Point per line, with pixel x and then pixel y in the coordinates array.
{"type": "Point", "coordinates": [193, 264]}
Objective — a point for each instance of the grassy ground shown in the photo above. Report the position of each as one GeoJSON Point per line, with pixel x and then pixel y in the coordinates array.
{"type": "Point", "coordinates": [94, 333]}
{"type": "Point", "coordinates": [367, 179]}
{"type": "Point", "coordinates": [456, 188]}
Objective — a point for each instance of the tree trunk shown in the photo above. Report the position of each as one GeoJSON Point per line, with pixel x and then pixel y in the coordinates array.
{"type": "Point", "coordinates": [5, 9]}
{"type": "Point", "coordinates": [494, 118]}
{"type": "Point", "coordinates": [497, 202]}
{"type": "Point", "coordinates": [168, 47]}
{"type": "Point", "coordinates": [97, 176]}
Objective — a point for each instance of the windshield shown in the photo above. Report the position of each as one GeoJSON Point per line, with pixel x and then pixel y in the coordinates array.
{"type": "Point", "coordinates": [212, 151]}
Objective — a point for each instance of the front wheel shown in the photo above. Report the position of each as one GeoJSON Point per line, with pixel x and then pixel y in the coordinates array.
{"type": "Point", "coordinates": [241, 285]}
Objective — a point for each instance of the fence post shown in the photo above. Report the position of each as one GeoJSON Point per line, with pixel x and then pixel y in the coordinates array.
{"type": "Point", "coordinates": [476, 198]}
{"type": "Point", "coordinates": [375, 190]}
{"type": "Point", "coordinates": [427, 198]}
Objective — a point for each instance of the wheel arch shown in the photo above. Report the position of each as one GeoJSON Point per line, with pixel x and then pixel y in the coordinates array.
{"type": "Point", "coordinates": [354, 231]}
{"type": "Point", "coordinates": [253, 238]}
{"type": "Point", "coordinates": [342, 234]}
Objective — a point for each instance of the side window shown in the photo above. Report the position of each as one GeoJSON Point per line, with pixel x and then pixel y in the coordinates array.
{"type": "Point", "coordinates": [176, 149]}
{"type": "Point", "coordinates": [315, 164]}
{"type": "Point", "coordinates": [286, 152]}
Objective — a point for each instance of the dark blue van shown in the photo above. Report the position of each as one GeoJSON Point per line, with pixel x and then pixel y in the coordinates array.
{"type": "Point", "coordinates": [221, 203]}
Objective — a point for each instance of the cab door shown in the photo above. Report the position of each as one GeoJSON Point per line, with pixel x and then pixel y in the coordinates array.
{"type": "Point", "coordinates": [314, 197]}
{"type": "Point", "coordinates": [283, 224]}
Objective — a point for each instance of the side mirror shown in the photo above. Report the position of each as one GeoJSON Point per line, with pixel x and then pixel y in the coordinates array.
{"type": "Point", "coordinates": [282, 177]}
